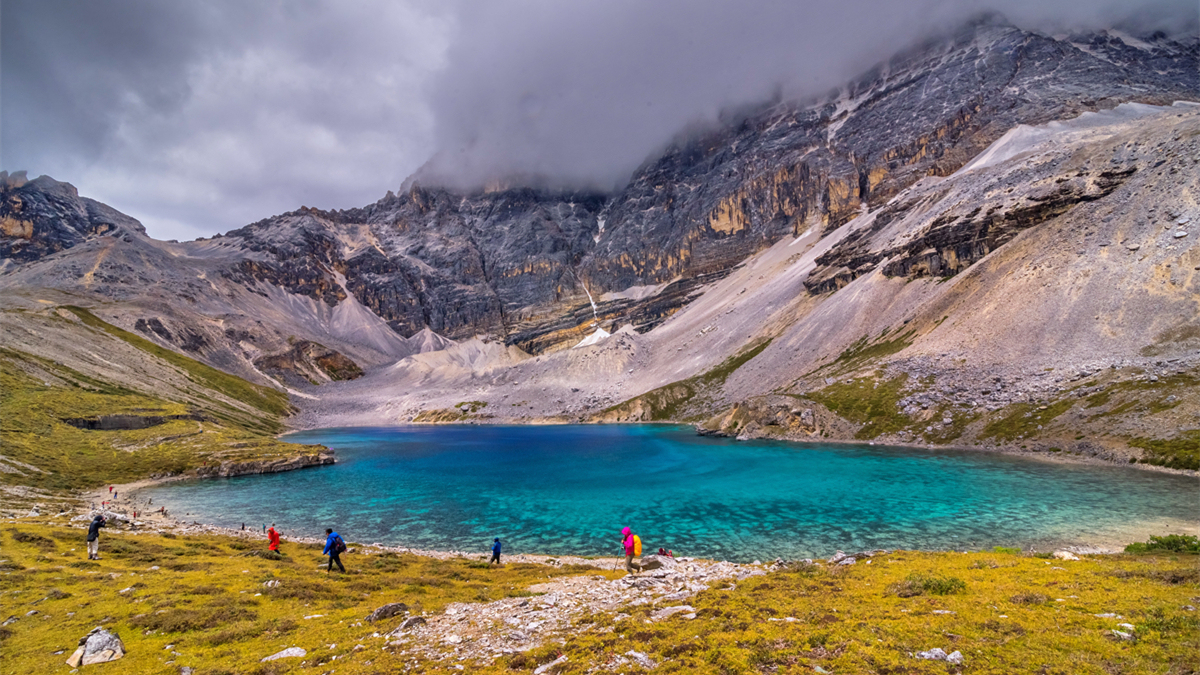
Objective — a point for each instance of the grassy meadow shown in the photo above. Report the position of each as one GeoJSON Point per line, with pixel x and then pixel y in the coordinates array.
{"type": "Point", "coordinates": [202, 602]}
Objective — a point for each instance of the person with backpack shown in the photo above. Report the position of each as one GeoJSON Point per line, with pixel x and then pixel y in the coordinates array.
{"type": "Point", "coordinates": [633, 547]}
{"type": "Point", "coordinates": [334, 547]}
{"type": "Point", "coordinates": [495, 552]}
{"type": "Point", "coordinates": [273, 539]}
{"type": "Point", "coordinates": [93, 538]}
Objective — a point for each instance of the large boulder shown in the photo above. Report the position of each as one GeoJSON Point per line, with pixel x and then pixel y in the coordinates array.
{"type": "Point", "coordinates": [387, 611]}
{"type": "Point", "coordinates": [98, 646]}
{"type": "Point", "coordinates": [654, 562]}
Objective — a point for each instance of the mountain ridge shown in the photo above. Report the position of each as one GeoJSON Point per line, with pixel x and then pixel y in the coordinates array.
{"type": "Point", "coordinates": [848, 183]}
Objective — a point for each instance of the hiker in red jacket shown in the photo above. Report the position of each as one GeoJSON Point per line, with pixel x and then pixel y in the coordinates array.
{"type": "Point", "coordinates": [273, 539]}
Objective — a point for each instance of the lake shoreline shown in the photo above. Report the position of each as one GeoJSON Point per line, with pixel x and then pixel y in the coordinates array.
{"type": "Point", "coordinates": [152, 521]}
{"type": "Point", "coordinates": [1085, 533]}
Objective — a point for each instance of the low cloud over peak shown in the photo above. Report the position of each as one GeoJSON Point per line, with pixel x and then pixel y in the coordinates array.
{"type": "Point", "coordinates": [198, 118]}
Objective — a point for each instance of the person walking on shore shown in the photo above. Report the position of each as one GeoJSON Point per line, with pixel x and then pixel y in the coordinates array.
{"type": "Point", "coordinates": [272, 539]}
{"type": "Point", "coordinates": [495, 552]}
{"type": "Point", "coordinates": [633, 547]}
{"type": "Point", "coordinates": [93, 538]}
{"type": "Point", "coordinates": [334, 548]}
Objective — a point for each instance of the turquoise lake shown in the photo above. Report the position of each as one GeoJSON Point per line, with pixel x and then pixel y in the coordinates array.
{"type": "Point", "coordinates": [570, 489]}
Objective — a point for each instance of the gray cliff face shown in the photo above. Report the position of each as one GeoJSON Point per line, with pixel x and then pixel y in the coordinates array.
{"type": "Point", "coordinates": [43, 216]}
{"type": "Point", "coordinates": [519, 264]}
{"type": "Point", "coordinates": [525, 266]}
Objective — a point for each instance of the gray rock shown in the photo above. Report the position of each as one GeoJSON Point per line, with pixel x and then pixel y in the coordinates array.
{"type": "Point", "coordinates": [98, 646]}
{"type": "Point", "coordinates": [654, 562]}
{"type": "Point", "coordinates": [387, 611]}
{"type": "Point", "coordinates": [411, 622]}
{"type": "Point", "coordinates": [936, 654]}
{"type": "Point", "coordinates": [667, 612]}
{"type": "Point", "coordinates": [289, 653]}
{"type": "Point", "coordinates": [641, 659]}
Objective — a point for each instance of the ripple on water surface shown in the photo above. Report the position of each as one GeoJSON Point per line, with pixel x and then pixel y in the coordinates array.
{"type": "Point", "coordinates": [569, 489]}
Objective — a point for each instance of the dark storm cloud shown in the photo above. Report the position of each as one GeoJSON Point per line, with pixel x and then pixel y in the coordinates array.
{"type": "Point", "coordinates": [197, 117]}
{"type": "Point", "coordinates": [201, 117]}
{"type": "Point", "coordinates": [579, 93]}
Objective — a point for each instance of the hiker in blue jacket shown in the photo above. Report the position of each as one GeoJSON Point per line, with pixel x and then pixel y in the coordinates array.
{"type": "Point", "coordinates": [334, 547]}
{"type": "Point", "coordinates": [495, 553]}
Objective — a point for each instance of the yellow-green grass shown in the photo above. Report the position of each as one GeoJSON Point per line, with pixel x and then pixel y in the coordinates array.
{"type": "Point", "coordinates": [270, 401]}
{"type": "Point", "coordinates": [869, 401]}
{"type": "Point", "coordinates": [1017, 614]}
{"type": "Point", "coordinates": [34, 432]}
{"type": "Point", "coordinates": [1012, 613]}
{"type": "Point", "coordinates": [207, 598]}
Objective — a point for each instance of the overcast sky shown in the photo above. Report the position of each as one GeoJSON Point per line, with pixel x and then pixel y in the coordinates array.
{"type": "Point", "coordinates": [199, 117]}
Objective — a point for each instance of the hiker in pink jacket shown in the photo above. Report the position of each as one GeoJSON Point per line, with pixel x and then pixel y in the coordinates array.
{"type": "Point", "coordinates": [629, 542]}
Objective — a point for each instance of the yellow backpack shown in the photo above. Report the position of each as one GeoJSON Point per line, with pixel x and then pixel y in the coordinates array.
{"type": "Point", "coordinates": [637, 545]}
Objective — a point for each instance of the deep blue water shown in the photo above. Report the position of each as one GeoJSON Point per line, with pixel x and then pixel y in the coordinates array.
{"type": "Point", "coordinates": [570, 489]}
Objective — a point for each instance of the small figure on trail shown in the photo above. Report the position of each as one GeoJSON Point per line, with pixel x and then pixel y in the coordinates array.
{"type": "Point", "coordinates": [666, 552]}
{"type": "Point", "coordinates": [334, 547]}
{"type": "Point", "coordinates": [110, 489]}
{"type": "Point", "coordinates": [272, 539]}
{"type": "Point", "coordinates": [633, 547]}
{"type": "Point", "coordinates": [243, 527]}
{"type": "Point", "coordinates": [93, 538]}
{"type": "Point", "coordinates": [495, 552]}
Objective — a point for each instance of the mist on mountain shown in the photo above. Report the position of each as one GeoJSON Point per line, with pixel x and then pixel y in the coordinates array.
{"type": "Point", "coordinates": [200, 118]}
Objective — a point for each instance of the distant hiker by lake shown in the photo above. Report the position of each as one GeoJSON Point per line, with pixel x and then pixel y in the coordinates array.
{"type": "Point", "coordinates": [495, 552]}
{"type": "Point", "coordinates": [633, 547]}
{"type": "Point", "coordinates": [93, 537]}
{"type": "Point", "coordinates": [334, 548]}
{"type": "Point", "coordinates": [273, 539]}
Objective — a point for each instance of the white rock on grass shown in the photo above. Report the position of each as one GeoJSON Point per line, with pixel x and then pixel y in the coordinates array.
{"type": "Point", "coordinates": [641, 659]}
{"type": "Point", "coordinates": [667, 612]}
{"type": "Point", "coordinates": [289, 653]}
{"type": "Point", "coordinates": [936, 654]}
{"type": "Point", "coordinates": [98, 646]}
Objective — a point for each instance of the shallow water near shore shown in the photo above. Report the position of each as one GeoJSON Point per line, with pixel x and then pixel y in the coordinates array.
{"type": "Point", "coordinates": [569, 489]}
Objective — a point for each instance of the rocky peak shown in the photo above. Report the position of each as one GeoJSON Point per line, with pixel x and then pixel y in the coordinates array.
{"type": "Point", "coordinates": [43, 216]}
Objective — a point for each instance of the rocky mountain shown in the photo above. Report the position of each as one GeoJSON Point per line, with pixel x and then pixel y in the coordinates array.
{"type": "Point", "coordinates": [840, 228]}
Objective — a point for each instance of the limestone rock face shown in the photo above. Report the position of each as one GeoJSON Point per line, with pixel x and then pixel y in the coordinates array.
{"type": "Point", "coordinates": [309, 363]}
{"type": "Point", "coordinates": [98, 646]}
{"type": "Point", "coordinates": [228, 469]}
